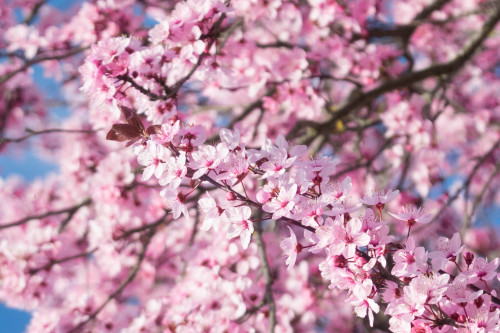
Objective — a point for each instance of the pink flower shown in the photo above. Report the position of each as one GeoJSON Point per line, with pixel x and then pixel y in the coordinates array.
{"type": "Point", "coordinates": [154, 158]}
{"type": "Point", "coordinates": [412, 215]}
{"type": "Point", "coordinates": [192, 136]}
{"type": "Point", "coordinates": [291, 248]}
{"type": "Point", "coordinates": [482, 270]}
{"type": "Point", "coordinates": [277, 163]}
{"type": "Point", "coordinates": [379, 198]}
{"type": "Point", "coordinates": [241, 225]}
{"type": "Point", "coordinates": [207, 158]}
{"type": "Point", "coordinates": [167, 132]}
{"type": "Point", "coordinates": [213, 214]}
{"type": "Point", "coordinates": [459, 293]}
{"type": "Point", "coordinates": [230, 139]}
{"type": "Point", "coordinates": [362, 302]}
{"type": "Point", "coordinates": [336, 192]}
{"type": "Point", "coordinates": [175, 171]}
{"type": "Point", "coordinates": [410, 260]}
{"type": "Point", "coordinates": [160, 32]}
{"type": "Point", "coordinates": [176, 201]}
{"type": "Point", "coordinates": [448, 250]}
{"type": "Point", "coordinates": [24, 37]}
{"type": "Point", "coordinates": [420, 327]}
{"type": "Point", "coordinates": [283, 204]}
{"type": "Point", "coordinates": [235, 170]}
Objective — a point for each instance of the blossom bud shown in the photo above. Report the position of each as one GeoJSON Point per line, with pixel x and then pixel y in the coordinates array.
{"type": "Point", "coordinates": [478, 302]}
{"type": "Point", "coordinates": [405, 279]}
{"type": "Point", "coordinates": [469, 258]}
{"type": "Point", "coordinates": [230, 196]}
{"type": "Point", "coordinates": [263, 196]}
{"type": "Point", "coordinates": [458, 317]}
{"type": "Point", "coordinates": [360, 262]}
{"type": "Point", "coordinates": [338, 261]}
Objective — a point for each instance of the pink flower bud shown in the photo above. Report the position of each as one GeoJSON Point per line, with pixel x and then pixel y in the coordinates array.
{"type": "Point", "coordinates": [469, 258]}
{"type": "Point", "coordinates": [230, 196]}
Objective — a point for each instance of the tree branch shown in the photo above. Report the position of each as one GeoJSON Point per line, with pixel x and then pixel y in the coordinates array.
{"type": "Point", "coordinates": [155, 224]}
{"type": "Point", "coordinates": [33, 13]}
{"type": "Point", "coordinates": [408, 79]}
{"type": "Point", "coordinates": [251, 202]}
{"type": "Point", "coordinates": [4, 78]}
{"type": "Point", "coordinates": [468, 180]}
{"type": "Point", "coordinates": [268, 278]}
{"type": "Point", "coordinates": [52, 130]}
{"type": "Point", "coordinates": [122, 286]}
{"type": "Point", "coordinates": [70, 210]}
{"type": "Point", "coordinates": [53, 262]}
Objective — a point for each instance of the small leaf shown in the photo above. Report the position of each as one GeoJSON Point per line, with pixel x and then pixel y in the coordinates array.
{"type": "Point", "coordinates": [153, 129]}
{"type": "Point", "coordinates": [124, 132]}
{"type": "Point", "coordinates": [132, 118]}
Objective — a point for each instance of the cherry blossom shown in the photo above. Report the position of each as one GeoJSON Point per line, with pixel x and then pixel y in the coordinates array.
{"type": "Point", "coordinates": [283, 203]}
{"type": "Point", "coordinates": [241, 225]}
{"type": "Point", "coordinates": [291, 248]}
{"type": "Point", "coordinates": [175, 128]}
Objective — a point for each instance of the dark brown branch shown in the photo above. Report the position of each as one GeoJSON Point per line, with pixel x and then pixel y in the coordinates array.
{"type": "Point", "coordinates": [368, 162]}
{"type": "Point", "coordinates": [468, 180]}
{"type": "Point", "coordinates": [32, 62]}
{"type": "Point", "coordinates": [34, 12]}
{"type": "Point", "coordinates": [478, 200]}
{"type": "Point", "coordinates": [70, 210]}
{"type": "Point", "coordinates": [404, 31]}
{"type": "Point", "coordinates": [251, 202]}
{"type": "Point", "coordinates": [53, 262]}
{"type": "Point", "coordinates": [213, 33]}
{"type": "Point", "coordinates": [122, 286]}
{"type": "Point", "coordinates": [153, 225]}
{"type": "Point", "coordinates": [404, 172]}
{"type": "Point", "coordinates": [152, 96]}
{"type": "Point", "coordinates": [408, 79]}
{"type": "Point", "coordinates": [52, 130]}
{"type": "Point", "coordinates": [255, 105]}
{"type": "Point", "coordinates": [268, 278]}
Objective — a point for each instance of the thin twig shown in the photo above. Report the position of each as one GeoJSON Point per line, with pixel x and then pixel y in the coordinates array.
{"type": "Point", "coordinates": [154, 224]}
{"type": "Point", "coordinates": [71, 210]}
{"type": "Point", "coordinates": [53, 262]}
{"type": "Point", "coordinates": [122, 286]}
{"type": "Point", "coordinates": [214, 33]}
{"type": "Point", "coordinates": [32, 62]}
{"type": "Point", "coordinates": [478, 200]}
{"type": "Point", "coordinates": [407, 79]}
{"type": "Point", "coordinates": [51, 130]}
{"type": "Point", "coordinates": [268, 278]}
{"type": "Point", "coordinates": [468, 180]}
{"type": "Point", "coordinates": [33, 13]}
{"type": "Point", "coordinates": [251, 202]}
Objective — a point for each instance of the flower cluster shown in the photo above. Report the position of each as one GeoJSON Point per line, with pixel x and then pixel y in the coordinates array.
{"type": "Point", "coordinates": [251, 165]}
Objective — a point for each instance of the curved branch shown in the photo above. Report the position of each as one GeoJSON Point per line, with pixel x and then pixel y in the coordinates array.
{"type": "Point", "coordinates": [53, 262]}
{"type": "Point", "coordinates": [268, 278]}
{"type": "Point", "coordinates": [153, 225]}
{"type": "Point", "coordinates": [408, 79]}
{"type": "Point", "coordinates": [4, 78]}
{"type": "Point", "coordinates": [468, 180]}
{"type": "Point", "coordinates": [122, 286]}
{"type": "Point", "coordinates": [51, 130]}
{"type": "Point", "coordinates": [70, 210]}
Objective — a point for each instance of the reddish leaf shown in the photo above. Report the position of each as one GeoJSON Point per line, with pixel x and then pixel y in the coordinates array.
{"type": "Point", "coordinates": [132, 131]}
{"type": "Point", "coordinates": [132, 118]}
{"type": "Point", "coordinates": [124, 132]}
{"type": "Point", "coordinates": [153, 129]}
